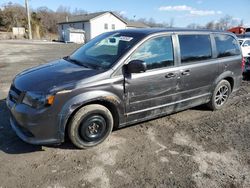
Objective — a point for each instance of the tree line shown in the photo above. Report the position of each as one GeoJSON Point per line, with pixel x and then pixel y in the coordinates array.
{"type": "Point", "coordinates": [223, 23]}
{"type": "Point", "coordinates": [44, 20]}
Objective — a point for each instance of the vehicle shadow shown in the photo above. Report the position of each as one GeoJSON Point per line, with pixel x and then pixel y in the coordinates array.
{"type": "Point", "coordinates": [9, 142]}
{"type": "Point", "coordinates": [202, 107]}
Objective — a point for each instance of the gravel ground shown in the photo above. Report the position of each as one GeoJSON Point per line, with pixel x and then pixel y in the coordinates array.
{"type": "Point", "coordinates": [193, 148]}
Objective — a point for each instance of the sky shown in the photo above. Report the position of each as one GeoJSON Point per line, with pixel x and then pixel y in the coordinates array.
{"type": "Point", "coordinates": [182, 12]}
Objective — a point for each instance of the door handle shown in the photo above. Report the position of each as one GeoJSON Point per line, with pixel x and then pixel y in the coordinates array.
{"type": "Point", "coordinates": [185, 72]}
{"type": "Point", "coordinates": [170, 75]}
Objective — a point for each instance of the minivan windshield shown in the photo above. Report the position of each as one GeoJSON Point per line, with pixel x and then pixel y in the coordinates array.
{"type": "Point", "coordinates": [104, 50]}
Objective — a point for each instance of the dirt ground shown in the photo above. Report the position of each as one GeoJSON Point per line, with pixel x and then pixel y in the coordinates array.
{"type": "Point", "coordinates": [193, 148]}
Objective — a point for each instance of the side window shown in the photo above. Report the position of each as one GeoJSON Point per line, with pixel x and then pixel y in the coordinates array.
{"type": "Point", "coordinates": [226, 45]}
{"type": "Point", "coordinates": [246, 43]}
{"type": "Point", "coordinates": [156, 52]}
{"type": "Point", "coordinates": [195, 48]}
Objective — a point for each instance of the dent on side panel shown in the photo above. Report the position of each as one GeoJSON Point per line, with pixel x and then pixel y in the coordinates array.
{"type": "Point", "coordinates": [109, 90]}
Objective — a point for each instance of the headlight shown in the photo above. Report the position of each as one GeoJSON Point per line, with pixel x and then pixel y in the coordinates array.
{"type": "Point", "coordinates": [38, 100]}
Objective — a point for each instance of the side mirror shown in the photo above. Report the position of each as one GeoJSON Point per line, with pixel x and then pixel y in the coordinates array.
{"type": "Point", "coordinates": [136, 66]}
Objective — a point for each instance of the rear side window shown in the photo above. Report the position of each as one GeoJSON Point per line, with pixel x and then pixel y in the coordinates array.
{"type": "Point", "coordinates": [195, 48]}
{"type": "Point", "coordinates": [226, 45]}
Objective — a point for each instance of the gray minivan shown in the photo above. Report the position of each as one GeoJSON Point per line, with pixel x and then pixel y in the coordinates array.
{"type": "Point", "coordinates": [121, 78]}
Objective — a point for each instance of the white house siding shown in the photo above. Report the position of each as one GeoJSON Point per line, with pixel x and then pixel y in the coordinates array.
{"type": "Point", "coordinates": [76, 25]}
{"type": "Point", "coordinates": [97, 24]}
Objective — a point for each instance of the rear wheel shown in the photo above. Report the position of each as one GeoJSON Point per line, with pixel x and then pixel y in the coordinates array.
{"type": "Point", "coordinates": [220, 95]}
{"type": "Point", "coordinates": [90, 126]}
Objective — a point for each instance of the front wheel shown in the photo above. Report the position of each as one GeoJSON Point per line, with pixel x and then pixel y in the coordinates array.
{"type": "Point", "coordinates": [90, 126]}
{"type": "Point", "coordinates": [220, 95]}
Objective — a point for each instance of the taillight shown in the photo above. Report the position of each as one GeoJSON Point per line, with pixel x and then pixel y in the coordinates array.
{"type": "Point", "coordinates": [243, 64]}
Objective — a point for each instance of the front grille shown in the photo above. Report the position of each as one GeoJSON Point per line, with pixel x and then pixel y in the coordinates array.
{"type": "Point", "coordinates": [15, 94]}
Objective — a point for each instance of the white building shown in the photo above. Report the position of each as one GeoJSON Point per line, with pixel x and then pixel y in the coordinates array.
{"type": "Point", "coordinates": [93, 24]}
{"type": "Point", "coordinates": [18, 31]}
{"type": "Point", "coordinates": [74, 35]}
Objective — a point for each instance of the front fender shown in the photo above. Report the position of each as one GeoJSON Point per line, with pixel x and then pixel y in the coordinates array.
{"type": "Point", "coordinates": [80, 100]}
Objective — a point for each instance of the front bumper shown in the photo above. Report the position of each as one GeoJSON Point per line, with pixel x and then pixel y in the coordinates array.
{"type": "Point", "coordinates": [28, 137]}
{"type": "Point", "coordinates": [34, 126]}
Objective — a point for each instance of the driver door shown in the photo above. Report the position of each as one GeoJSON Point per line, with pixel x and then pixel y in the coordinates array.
{"type": "Point", "coordinates": [152, 93]}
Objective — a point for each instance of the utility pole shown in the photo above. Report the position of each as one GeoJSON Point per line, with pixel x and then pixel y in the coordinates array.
{"type": "Point", "coordinates": [28, 15]}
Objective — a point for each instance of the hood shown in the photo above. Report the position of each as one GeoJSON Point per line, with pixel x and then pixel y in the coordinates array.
{"type": "Point", "coordinates": [51, 75]}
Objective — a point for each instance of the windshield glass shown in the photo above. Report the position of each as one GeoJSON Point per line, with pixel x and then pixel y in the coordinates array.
{"type": "Point", "coordinates": [104, 50]}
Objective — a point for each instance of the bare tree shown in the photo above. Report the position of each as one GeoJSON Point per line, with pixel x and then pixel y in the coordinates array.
{"type": "Point", "coordinates": [13, 15]}
{"type": "Point", "coordinates": [241, 22]}
{"type": "Point", "coordinates": [48, 20]}
{"type": "Point", "coordinates": [171, 23]}
{"type": "Point", "coordinates": [36, 25]}
{"type": "Point", "coordinates": [194, 26]}
{"type": "Point", "coordinates": [63, 9]}
{"type": "Point", "coordinates": [227, 22]}
{"type": "Point", "coordinates": [210, 25]}
{"type": "Point", "coordinates": [224, 23]}
{"type": "Point", "coordinates": [78, 11]}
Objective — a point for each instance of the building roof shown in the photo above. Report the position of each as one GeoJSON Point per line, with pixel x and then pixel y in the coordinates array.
{"type": "Point", "coordinates": [88, 17]}
{"type": "Point", "coordinates": [136, 24]}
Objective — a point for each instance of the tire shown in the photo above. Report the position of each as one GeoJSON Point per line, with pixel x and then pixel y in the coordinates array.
{"type": "Point", "coordinates": [220, 95]}
{"type": "Point", "coordinates": [90, 126]}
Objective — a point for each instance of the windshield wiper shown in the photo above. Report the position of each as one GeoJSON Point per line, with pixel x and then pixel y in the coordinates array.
{"type": "Point", "coordinates": [67, 58]}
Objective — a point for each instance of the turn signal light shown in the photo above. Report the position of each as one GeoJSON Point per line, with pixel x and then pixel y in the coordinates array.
{"type": "Point", "coordinates": [50, 99]}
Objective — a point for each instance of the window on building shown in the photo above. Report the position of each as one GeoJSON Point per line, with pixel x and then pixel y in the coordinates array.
{"type": "Point", "coordinates": [83, 26]}
{"type": "Point", "coordinates": [156, 53]}
{"type": "Point", "coordinates": [113, 26]}
{"type": "Point", "coordinates": [195, 48]}
{"type": "Point", "coordinates": [62, 26]}
{"type": "Point", "coordinates": [106, 26]}
{"type": "Point", "coordinates": [226, 45]}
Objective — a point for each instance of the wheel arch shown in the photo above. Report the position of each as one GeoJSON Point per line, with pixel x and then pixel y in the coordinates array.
{"type": "Point", "coordinates": [231, 82]}
{"type": "Point", "coordinates": [228, 76]}
{"type": "Point", "coordinates": [110, 101]}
